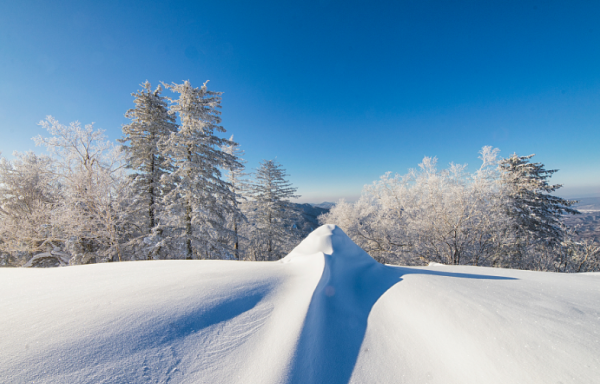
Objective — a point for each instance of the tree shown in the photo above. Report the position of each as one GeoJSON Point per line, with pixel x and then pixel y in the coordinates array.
{"type": "Point", "coordinates": [501, 215]}
{"type": "Point", "coordinates": [92, 214]}
{"type": "Point", "coordinates": [150, 124]}
{"type": "Point", "coordinates": [272, 215]}
{"type": "Point", "coordinates": [458, 220]}
{"type": "Point", "coordinates": [238, 187]}
{"type": "Point", "coordinates": [29, 195]}
{"type": "Point", "coordinates": [201, 200]}
{"type": "Point", "coordinates": [426, 215]}
{"type": "Point", "coordinates": [534, 213]}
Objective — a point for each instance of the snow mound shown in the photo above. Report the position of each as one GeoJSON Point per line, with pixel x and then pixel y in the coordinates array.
{"type": "Point", "coordinates": [434, 264]}
{"type": "Point", "coordinates": [336, 321]}
{"type": "Point", "coordinates": [326, 313]}
{"type": "Point", "coordinates": [330, 240]}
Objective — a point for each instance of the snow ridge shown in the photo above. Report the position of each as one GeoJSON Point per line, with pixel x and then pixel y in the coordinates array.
{"type": "Point", "coordinates": [336, 321]}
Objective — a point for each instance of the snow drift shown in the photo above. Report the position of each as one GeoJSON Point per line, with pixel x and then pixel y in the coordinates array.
{"type": "Point", "coordinates": [326, 313]}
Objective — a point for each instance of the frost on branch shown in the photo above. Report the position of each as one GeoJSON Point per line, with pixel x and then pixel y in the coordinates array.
{"type": "Point", "coordinates": [503, 215]}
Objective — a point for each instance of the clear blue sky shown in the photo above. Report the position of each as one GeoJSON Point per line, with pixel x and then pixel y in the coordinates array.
{"type": "Point", "coordinates": [338, 91]}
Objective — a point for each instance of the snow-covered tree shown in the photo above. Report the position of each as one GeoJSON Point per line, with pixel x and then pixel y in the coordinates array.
{"type": "Point", "coordinates": [272, 230]}
{"type": "Point", "coordinates": [532, 206]}
{"type": "Point", "coordinates": [201, 200]}
{"type": "Point", "coordinates": [29, 195]}
{"type": "Point", "coordinates": [425, 215]}
{"type": "Point", "coordinates": [458, 220]}
{"type": "Point", "coordinates": [377, 222]}
{"type": "Point", "coordinates": [578, 255]}
{"type": "Point", "coordinates": [92, 214]}
{"type": "Point", "coordinates": [535, 215]}
{"type": "Point", "coordinates": [238, 185]}
{"type": "Point", "coordinates": [150, 124]}
{"type": "Point", "coordinates": [501, 215]}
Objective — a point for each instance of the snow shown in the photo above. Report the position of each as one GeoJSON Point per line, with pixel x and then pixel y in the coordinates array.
{"type": "Point", "coordinates": [326, 313]}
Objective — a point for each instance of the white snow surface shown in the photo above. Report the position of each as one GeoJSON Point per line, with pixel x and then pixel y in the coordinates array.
{"type": "Point", "coordinates": [326, 313]}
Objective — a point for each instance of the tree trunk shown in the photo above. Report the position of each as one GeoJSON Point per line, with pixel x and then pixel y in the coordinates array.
{"type": "Point", "coordinates": [188, 214]}
{"type": "Point", "coordinates": [269, 240]}
{"type": "Point", "coordinates": [188, 231]}
{"type": "Point", "coordinates": [151, 193]}
{"type": "Point", "coordinates": [236, 245]}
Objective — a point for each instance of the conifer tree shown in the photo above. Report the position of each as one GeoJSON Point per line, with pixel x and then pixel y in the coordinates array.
{"type": "Point", "coordinates": [531, 205]}
{"type": "Point", "coordinates": [150, 124]}
{"type": "Point", "coordinates": [201, 200]}
{"type": "Point", "coordinates": [535, 214]}
{"type": "Point", "coordinates": [239, 188]}
{"type": "Point", "coordinates": [271, 211]}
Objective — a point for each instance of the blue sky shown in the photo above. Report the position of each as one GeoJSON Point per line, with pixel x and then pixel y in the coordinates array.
{"type": "Point", "coordinates": [339, 92]}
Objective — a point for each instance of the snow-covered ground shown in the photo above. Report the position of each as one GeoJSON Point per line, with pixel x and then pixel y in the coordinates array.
{"type": "Point", "coordinates": [327, 313]}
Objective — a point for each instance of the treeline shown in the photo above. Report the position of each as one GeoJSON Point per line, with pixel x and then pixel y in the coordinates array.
{"type": "Point", "coordinates": [175, 188]}
{"type": "Point", "coordinates": [503, 215]}
{"type": "Point", "coordinates": [172, 189]}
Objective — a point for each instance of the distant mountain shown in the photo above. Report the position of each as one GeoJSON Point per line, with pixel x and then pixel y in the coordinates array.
{"type": "Point", "coordinates": [588, 204]}
{"type": "Point", "coordinates": [310, 216]}
{"type": "Point", "coordinates": [325, 205]}
{"type": "Point", "coordinates": [588, 223]}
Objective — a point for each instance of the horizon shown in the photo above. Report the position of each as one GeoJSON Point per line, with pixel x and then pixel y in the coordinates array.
{"type": "Point", "coordinates": [338, 92]}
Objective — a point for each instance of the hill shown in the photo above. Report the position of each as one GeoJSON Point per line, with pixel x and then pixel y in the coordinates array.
{"type": "Point", "coordinates": [588, 204]}
{"type": "Point", "coordinates": [309, 216]}
{"type": "Point", "coordinates": [327, 313]}
{"type": "Point", "coordinates": [325, 205]}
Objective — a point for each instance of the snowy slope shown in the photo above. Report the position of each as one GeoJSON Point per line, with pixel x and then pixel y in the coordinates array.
{"type": "Point", "coordinates": [327, 313]}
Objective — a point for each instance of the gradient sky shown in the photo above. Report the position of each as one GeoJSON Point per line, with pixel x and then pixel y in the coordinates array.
{"type": "Point", "coordinates": [339, 92]}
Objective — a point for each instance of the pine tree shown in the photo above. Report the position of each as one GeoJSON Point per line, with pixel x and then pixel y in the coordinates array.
{"type": "Point", "coordinates": [535, 214]}
{"type": "Point", "coordinates": [532, 207]}
{"type": "Point", "coordinates": [150, 124]}
{"type": "Point", "coordinates": [201, 200]}
{"type": "Point", "coordinates": [271, 211]}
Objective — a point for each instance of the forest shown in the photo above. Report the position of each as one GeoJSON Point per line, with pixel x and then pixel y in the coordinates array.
{"type": "Point", "coordinates": [174, 187]}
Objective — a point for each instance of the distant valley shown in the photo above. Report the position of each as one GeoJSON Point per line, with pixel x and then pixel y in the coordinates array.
{"type": "Point", "coordinates": [589, 220]}
{"type": "Point", "coordinates": [310, 213]}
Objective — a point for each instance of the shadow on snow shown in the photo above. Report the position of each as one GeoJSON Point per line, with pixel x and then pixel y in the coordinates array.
{"type": "Point", "coordinates": [336, 321]}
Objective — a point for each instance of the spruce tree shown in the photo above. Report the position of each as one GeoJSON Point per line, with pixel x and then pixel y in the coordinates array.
{"type": "Point", "coordinates": [535, 216]}
{"type": "Point", "coordinates": [239, 188]}
{"type": "Point", "coordinates": [150, 124]}
{"type": "Point", "coordinates": [271, 211]}
{"type": "Point", "coordinates": [201, 200]}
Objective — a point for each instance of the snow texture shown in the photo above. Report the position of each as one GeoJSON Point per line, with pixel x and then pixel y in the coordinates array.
{"type": "Point", "coordinates": [326, 313]}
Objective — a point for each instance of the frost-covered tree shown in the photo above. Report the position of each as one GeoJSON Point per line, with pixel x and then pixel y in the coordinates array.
{"type": "Point", "coordinates": [29, 195]}
{"type": "Point", "coordinates": [92, 214]}
{"type": "Point", "coordinates": [501, 215]}
{"type": "Point", "coordinates": [201, 200]}
{"type": "Point", "coordinates": [490, 224]}
{"type": "Point", "coordinates": [272, 230]}
{"type": "Point", "coordinates": [535, 214]}
{"type": "Point", "coordinates": [576, 255]}
{"type": "Point", "coordinates": [459, 221]}
{"type": "Point", "coordinates": [238, 185]}
{"type": "Point", "coordinates": [426, 215]}
{"type": "Point", "coordinates": [150, 124]}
